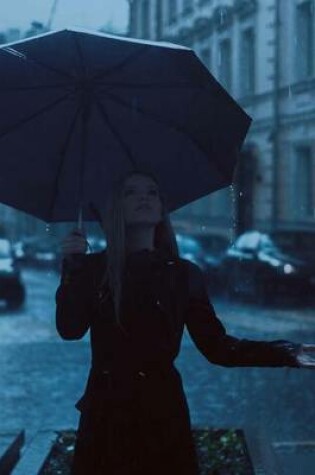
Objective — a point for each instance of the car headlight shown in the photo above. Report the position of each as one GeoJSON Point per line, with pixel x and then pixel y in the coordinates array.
{"type": "Point", "coordinates": [6, 267]}
{"type": "Point", "coordinates": [289, 269]}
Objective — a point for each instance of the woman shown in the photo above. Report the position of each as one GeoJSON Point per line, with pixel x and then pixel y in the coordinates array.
{"type": "Point", "coordinates": [135, 298]}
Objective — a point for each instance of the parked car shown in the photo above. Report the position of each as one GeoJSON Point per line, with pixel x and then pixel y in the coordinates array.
{"type": "Point", "coordinates": [18, 251]}
{"type": "Point", "coordinates": [40, 252]}
{"type": "Point", "coordinates": [214, 247]}
{"type": "Point", "coordinates": [12, 289]}
{"type": "Point", "coordinates": [265, 266]}
{"type": "Point", "coordinates": [206, 251]}
{"type": "Point", "coordinates": [189, 248]}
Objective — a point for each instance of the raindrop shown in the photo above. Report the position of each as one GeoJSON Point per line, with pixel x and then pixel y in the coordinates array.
{"type": "Point", "coordinates": [222, 16]}
{"type": "Point", "coordinates": [134, 109]}
{"type": "Point", "coordinates": [289, 92]}
{"type": "Point", "coordinates": [219, 58]}
{"type": "Point", "coordinates": [232, 193]}
{"type": "Point", "coordinates": [14, 52]}
{"type": "Point", "coordinates": [47, 227]}
{"type": "Point", "coordinates": [233, 228]}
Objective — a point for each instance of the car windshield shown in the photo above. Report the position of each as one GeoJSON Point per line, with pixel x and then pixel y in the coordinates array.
{"type": "Point", "coordinates": [5, 249]}
{"type": "Point", "coordinates": [213, 244]}
{"type": "Point", "coordinates": [188, 244]}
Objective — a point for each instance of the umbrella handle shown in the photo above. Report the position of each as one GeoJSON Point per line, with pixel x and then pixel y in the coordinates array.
{"type": "Point", "coordinates": [96, 214]}
{"type": "Point", "coordinates": [80, 220]}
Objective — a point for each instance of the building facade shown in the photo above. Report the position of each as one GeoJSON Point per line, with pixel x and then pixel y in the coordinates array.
{"type": "Point", "coordinates": [262, 52]}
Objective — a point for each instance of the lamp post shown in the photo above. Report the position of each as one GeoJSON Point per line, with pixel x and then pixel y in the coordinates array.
{"type": "Point", "coordinates": [52, 14]}
{"type": "Point", "coordinates": [276, 119]}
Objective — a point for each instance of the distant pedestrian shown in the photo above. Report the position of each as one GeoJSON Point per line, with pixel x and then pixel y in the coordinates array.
{"type": "Point", "coordinates": [135, 298]}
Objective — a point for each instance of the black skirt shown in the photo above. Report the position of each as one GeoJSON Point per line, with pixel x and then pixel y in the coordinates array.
{"type": "Point", "coordinates": [138, 425]}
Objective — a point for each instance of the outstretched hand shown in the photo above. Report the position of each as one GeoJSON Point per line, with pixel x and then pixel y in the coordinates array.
{"type": "Point", "coordinates": [306, 356]}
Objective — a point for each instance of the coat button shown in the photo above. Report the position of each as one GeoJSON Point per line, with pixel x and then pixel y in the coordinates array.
{"type": "Point", "coordinates": [142, 374]}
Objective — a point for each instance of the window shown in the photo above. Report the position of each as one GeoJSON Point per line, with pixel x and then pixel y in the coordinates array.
{"type": "Point", "coordinates": [297, 240]}
{"type": "Point", "coordinates": [303, 196]}
{"type": "Point", "coordinates": [225, 63]}
{"type": "Point", "coordinates": [145, 19]}
{"type": "Point", "coordinates": [187, 6]}
{"type": "Point", "coordinates": [172, 11]}
{"type": "Point", "coordinates": [247, 63]}
{"type": "Point", "coordinates": [304, 40]}
{"type": "Point", "coordinates": [221, 204]}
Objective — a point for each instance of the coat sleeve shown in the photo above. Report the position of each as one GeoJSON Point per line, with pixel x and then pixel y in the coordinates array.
{"type": "Point", "coordinates": [74, 297]}
{"type": "Point", "coordinates": [210, 337]}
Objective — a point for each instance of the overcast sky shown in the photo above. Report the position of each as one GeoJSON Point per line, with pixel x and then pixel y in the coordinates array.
{"type": "Point", "coordinates": [83, 13]}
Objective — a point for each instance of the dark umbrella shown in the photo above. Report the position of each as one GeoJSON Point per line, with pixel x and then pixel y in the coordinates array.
{"type": "Point", "coordinates": [80, 109]}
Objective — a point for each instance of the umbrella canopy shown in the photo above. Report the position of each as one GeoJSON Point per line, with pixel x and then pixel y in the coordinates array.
{"type": "Point", "coordinates": [80, 109]}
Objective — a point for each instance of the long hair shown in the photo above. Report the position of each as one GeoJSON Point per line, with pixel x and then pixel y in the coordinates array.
{"type": "Point", "coordinates": [115, 233]}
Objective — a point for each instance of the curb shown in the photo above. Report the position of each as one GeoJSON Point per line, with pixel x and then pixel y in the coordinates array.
{"type": "Point", "coordinates": [262, 454]}
{"type": "Point", "coordinates": [10, 450]}
{"type": "Point", "coordinates": [35, 453]}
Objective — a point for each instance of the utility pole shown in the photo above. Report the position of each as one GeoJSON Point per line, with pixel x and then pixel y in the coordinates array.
{"type": "Point", "coordinates": [132, 18]}
{"type": "Point", "coordinates": [52, 14]}
{"type": "Point", "coordinates": [276, 119]}
{"type": "Point", "coordinates": [158, 16]}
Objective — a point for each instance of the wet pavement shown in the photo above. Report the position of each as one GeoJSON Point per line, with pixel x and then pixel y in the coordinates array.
{"type": "Point", "coordinates": [42, 376]}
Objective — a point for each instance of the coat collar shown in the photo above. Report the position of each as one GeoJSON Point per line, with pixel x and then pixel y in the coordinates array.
{"type": "Point", "coordinates": [155, 256]}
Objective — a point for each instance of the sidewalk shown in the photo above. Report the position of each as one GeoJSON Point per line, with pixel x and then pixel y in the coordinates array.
{"type": "Point", "coordinates": [40, 385]}
{"type": "Point", "coordinates": [41, 381]}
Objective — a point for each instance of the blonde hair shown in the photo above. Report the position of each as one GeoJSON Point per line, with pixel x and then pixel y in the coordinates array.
{"type": "Point", "coordinates": [115, 233]}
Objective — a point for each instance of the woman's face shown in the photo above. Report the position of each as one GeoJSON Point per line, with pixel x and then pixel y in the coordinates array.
{"type": "Point", "coordinates": [141, 201]}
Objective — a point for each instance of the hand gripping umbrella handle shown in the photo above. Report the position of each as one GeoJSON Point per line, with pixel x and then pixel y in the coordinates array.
{"type": "Point", "coordinates": [95, 212]}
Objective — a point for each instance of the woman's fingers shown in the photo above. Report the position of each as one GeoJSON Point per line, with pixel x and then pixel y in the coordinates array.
{"type": "Point", "coordinates": [308, 347]}
{"type": "Point", "coordinates": [306, 356]}
{"type": "Point", "coordinates": [74, 243]}
{"type": "Point", "coordinates": [78, 232]}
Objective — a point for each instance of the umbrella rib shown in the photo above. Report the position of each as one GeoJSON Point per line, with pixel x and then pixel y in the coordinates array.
{"type": "Point", "coordinates": [63, 152]}
{"type": "Point", "coordinates": [147, 113]}
{"type": "Point", "coordinates": [32, 88]}
{"type": "Point", "coordinates": [26, 58]}
{"type": "Point", "coordinates": [153, 85]}
{"type": "Point", "coordinates": [50, 68]}
{"type": "Point", "coordinates": [164, 122]}
{"type": "Point", "coordinates": [100, 75]}
{"type": "Point", "coordinates": [80, 53]}
{"type": "Point", "coordinates": [115, 132]}
{"type": "Point", "coordinates": [13, 127]}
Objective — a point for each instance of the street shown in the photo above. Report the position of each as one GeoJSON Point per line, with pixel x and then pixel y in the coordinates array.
{"type": "Point", "coordinates": [41, 376]}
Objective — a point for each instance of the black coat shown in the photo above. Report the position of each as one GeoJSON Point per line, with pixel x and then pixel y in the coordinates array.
{"type": "Point", "coordinates": [133, 387]}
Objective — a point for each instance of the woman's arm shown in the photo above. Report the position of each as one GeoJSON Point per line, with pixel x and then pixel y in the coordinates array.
{"type": "Point", "coordinates": [210, 337]}
{"type": "Point", "coordinates": [74, 297]}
